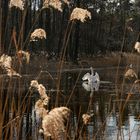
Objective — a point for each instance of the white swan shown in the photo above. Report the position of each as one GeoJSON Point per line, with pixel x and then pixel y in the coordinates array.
{"type": "Point", "coordinates": [91, 77]}
{"type": "Point", "coordinates": [94, 86]}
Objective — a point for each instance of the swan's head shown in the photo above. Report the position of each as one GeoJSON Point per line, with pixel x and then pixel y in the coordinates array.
{"type": "Point", "coordinates": [91, 68]}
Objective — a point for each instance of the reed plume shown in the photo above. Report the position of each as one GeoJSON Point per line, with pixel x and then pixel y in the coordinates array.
{"type": "Point", "coordinates": [41, 89]}
{"type": "Point", "coordinates": [80, 14]}
{"type": "Point", "coordinates": [56, 4]}
{"type": "Point", "coordinates": [130, 73]}
{"type": "Point", "coordinates": [53, 124]}
{"type": "Point", "coordinates": [38, 34]}
{"type": "Point", "coordinates": [137, 81]}
{"type": "Point", "coordinates": [6, 64]}
{"type": "Point", "coordinates": [86, 118]}
{"type": "Point", "coordinates": [24, 55]}
{"type": "Point", "coordinates": [17, 3]}
{"type": "Point", "coordinates": [66, 2]}
{"type": "Point", "coordinates": [137, 47]}
{"type": "Point", "coordinates": [40, 108]}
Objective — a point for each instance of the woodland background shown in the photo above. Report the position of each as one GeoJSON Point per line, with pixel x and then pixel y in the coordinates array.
{"type": "Point", "coordinates": [114, 26]}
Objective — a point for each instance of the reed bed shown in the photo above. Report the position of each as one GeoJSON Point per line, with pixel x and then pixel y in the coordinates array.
{"type": "Point", "coordinates": [59, 108]}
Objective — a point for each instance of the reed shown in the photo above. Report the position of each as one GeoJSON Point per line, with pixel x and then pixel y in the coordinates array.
{"type": "Point", "coordinates": [38, 109]}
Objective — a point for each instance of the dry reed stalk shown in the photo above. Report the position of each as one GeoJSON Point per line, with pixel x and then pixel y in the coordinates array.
{"type": "Point", "coordinates": [1, 26]}
{"type": "Point", "coordinates": [80, 14]}
{"type": "Point", "coordinates": [53, 122]}
{"type": "Point", "coordinates": [1, 117]}
{"type": "Point", "coordinates": [126, 101]}
{"type": "Point", "coordinates": [17, 3]}
{"type": "Point", "coordinates": [119, 60]}
{"type": "Point", "coordinates": [72, 92]}
{"type": "Point", "coordinates": [38, 34]}
{"type": "Point", "coordinates": [62, 56]}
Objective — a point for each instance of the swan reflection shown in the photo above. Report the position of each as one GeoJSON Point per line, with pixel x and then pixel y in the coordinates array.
{"type": "Point", "coordinates": [93, 86]}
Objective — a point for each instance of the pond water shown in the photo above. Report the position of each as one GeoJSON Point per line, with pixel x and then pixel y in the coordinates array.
{"type": "Point", "coordinates": [116, 113]}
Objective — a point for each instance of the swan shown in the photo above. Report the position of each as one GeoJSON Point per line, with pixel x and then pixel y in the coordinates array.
{"type": "Point", "coordinates": [94, 86]}
{"type": "Point", "coordinates": [91, 77]}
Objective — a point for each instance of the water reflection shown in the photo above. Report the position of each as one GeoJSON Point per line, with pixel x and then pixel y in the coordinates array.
{"type": "Point", "coordinates": [113, 118]}
{"type": "Point", "coordinates": [129, 131]}
{"type": "Point", "coordinates": [93, 86]}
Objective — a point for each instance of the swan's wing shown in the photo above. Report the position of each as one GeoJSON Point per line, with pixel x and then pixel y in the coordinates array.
{"type": "Point", "coordinates": [97, 76]}
{"type": "Point", "coordinates": [92, 79]}
{"type": "Point", "coordinates": [86, 76]}
{"type": "Point", "coordinates": [96, 86]}
{"type": "Point", "coordinates": [91, 86]}
{"type": "Point", "coordinates": [86, 86]}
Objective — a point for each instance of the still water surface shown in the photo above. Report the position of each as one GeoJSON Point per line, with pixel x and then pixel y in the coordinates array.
{"type": "Point", "coordinates": [115, 115]}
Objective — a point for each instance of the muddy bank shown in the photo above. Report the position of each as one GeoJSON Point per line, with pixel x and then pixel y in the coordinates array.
{"type": "Point", "coordinates": [106, 66]}
{"type": "Point", "coordinates": [38, 63]}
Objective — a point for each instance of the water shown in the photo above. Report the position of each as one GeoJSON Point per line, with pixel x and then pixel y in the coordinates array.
{"type": "Point", "coordinates": [115, 114]}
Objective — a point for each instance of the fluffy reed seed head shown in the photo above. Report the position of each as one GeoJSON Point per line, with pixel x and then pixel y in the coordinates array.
{"type": "Point", "coordinates": [137, 47]}
{"type": "Point", "coordinates": [11, 72]}
{"type": "Point", "coordinates": [6, 63]}
{"type": "Point", "coordinates": [53, 123]}
{"type": "Point", "coordinates": [42, 91]}
{"type": "Point", "coordinates": [17, 3]}
{"type": "Point", "coordinates": [34, 84]}
{"type": "Point", "coordinates": [24, 55]}
{"type": "Point", "coordinates": [86, 118]}
{"type": "Point", "coordinates": [38, 34]}
{"type": "Point", "coordinates": [40, 108]}
{"type": "Point", "coordinates": [80, 14]}
{"type": "Point", "coordinates": [56, 4]}
{"type": "Point", "coordinates": [66, 2]}
{"type": "Point", "coordinates": [137, 81]}
{"type": "Point", "coordinates": [130, 73]}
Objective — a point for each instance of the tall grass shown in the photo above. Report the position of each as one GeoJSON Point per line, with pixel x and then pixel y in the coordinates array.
{"type": "Point", "coordinates": [18, 118]}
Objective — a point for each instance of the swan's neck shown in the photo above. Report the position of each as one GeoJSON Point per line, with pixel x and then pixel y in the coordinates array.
{"type": "Point", "coordinates": [92, 72]}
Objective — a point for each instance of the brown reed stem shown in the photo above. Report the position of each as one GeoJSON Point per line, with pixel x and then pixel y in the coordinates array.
{"type": "Point", "coordinates": [72, 92]}
{"type": "Point", "coordinates": [64, 48]}
{"type": "Point", "coordinates": [0, 29]}
{"type": "Point", "coordinates": [27, 41]}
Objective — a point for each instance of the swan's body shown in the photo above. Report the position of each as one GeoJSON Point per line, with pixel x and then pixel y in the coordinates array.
{"type": "Point", "coordinates": [94, 86]}
{"type": "Point", "coordinates": [91, 77]}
